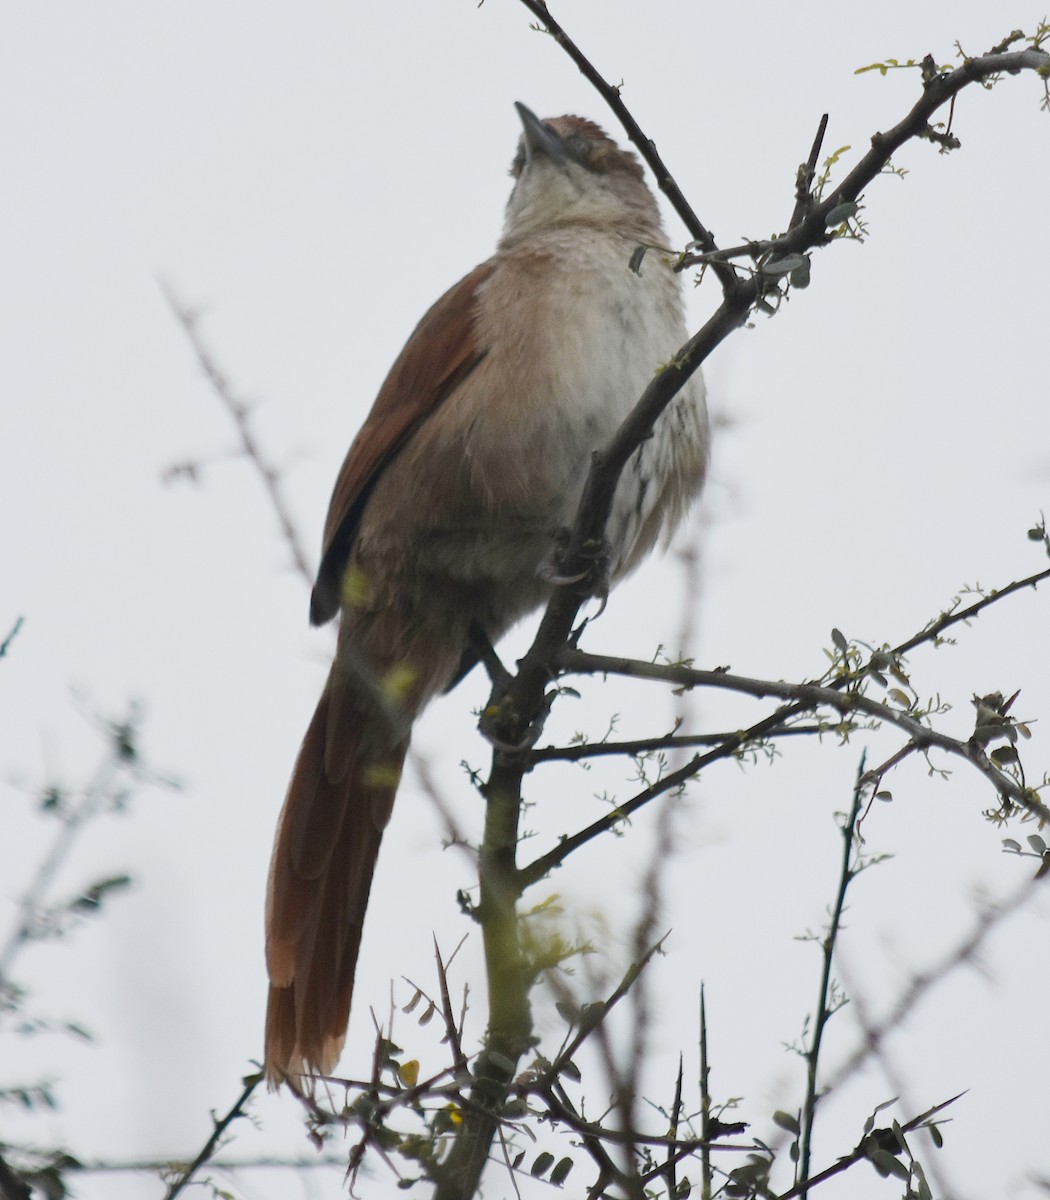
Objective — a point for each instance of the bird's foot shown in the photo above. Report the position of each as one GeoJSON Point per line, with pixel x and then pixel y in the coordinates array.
{"type": "Point", "coordinates": [592, 566]}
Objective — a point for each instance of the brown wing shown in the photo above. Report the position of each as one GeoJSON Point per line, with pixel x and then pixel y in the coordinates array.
{"type": "Point", "coordinates": [439, 355]}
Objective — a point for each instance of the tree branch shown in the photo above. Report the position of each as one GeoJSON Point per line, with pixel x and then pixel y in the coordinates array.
{"type": "Point", "coordinates": [938, 90]}
{"type": "Point", "coordinates": [250, 445]}
{"type": "Point", "coordinates": [212, 1144]}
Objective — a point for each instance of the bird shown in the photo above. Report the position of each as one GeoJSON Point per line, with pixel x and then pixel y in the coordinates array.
{"type": "Point", "coordinates": [446, 515]}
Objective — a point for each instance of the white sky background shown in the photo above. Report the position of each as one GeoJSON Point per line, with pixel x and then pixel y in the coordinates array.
{"type": "Point", "coordinates": [314, 176]}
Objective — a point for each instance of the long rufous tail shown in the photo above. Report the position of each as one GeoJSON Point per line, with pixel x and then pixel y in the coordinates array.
{"type": "Point", "coordinates": [338, 804]}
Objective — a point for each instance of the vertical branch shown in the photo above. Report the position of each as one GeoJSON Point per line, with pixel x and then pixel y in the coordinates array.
{"type": "Point", "coordinates": [675, 1123]}
{"type": "Point", "coordinates": [825, 1006]}
{"type": "Point", "coordinates": [705, 1105]}
{"type": "Point", "coordinates": [509, 1032]}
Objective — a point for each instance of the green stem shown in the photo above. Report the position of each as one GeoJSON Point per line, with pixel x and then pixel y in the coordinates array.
{"type": "Point", "coordinates": [509, 978]}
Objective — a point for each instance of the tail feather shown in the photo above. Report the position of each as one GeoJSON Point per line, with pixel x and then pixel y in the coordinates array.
{"type": "Point", "coordinates": [324, 857]}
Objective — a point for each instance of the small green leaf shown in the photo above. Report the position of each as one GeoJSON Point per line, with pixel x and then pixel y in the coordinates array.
{"type": "Point", "coordinates": [501, 1062]}
{"type": "Point", "coordinates": [840, 213]}
{"type": "Point", "coordinates": [787, 1122]}
{"type": "Point", "coordinates": [782, 266]}
{"type": "Point", "coordinates": [1010, 844]}
{"type": "Point", "coordinates": [561, 1171]}
{"type": "Point", "coordinates": [1036, 842]}
{"type": "Point", "coordinates": [886, 1164]}
{"type": "Point", "coordinates": [800, 275]}
{"type": "Point", "coordinates": [542, 1165]}
{"type": "Point", "coordinates": [839, 639]}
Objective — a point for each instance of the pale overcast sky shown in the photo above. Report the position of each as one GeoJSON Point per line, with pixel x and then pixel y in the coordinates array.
{"type": "Point", "coordinates": [312, 177]}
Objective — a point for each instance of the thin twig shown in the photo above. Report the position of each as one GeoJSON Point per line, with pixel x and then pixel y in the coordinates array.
{"type": "Point", "coordinates": [452, 1031]}
{"type": "Point", "coordinates": [240, 411]}
{"type": "Point", "coordinates": [801, 698]}
{"type": "Point", "coordinates": [934, 630]}
{"type": "Point", "coordinates": [594, 1014]}
{"type": "Point", "coordinates": [941, 89]}
{"type": "Point", "coordinates": [705, 1104]}
{"type": "Point", "coordinates": [860, 1153]}
{"type": "Point", "coordinates": [209, 1147]}
{"type": "Point", "coordinates": [120, 756]}
{"type": "Point", "coordinates": [617, 1137]}
{"type": "Point", "coordinates": [825, 1007]}
{"type": "Point", "coordinates": [142, 1166]}
{"type": "Point", "coordinates": [876, 1032]}
{"type": "Point", "coordinates": [641, 746]}
{"type": "Point", "coordinates": [645, 145]}
{"type": "Point", "coordinates": [804, 183]}
{"type": "Point", "coordinates": [5, 645]}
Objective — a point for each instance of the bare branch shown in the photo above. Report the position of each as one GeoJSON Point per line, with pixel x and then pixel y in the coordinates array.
{"type": "Point", "coordinates": [250, 445]}
{"type": "Point", "coordinates": [5, 645]}
{"type": "Point", "coordinates": [211, 1145]}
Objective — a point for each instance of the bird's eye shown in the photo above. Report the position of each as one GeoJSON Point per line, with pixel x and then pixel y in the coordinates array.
{"type": "Point", "coordinates": [581, 149]}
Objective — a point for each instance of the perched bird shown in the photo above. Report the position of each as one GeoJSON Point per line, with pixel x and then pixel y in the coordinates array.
{"type": "Point", "coordinates": [445, 516]}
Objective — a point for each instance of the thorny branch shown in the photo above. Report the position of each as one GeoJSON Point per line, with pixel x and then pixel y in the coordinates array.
{"type": "Point", "coordinates": [939, 88]}
{"type": "Point", "coordinates": [876, 1032]}
{"type": "Point", "coordinates": [840, 694]}
{"type": "Point", "coordinates": [221, 1125]}
{"type": "Point", "coordinates": [240, 411]}
{"type": "Point", "coordinates": [825, 1007]}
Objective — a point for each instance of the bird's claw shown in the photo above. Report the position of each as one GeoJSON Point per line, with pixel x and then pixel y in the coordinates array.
{"type": "Point", "coordinates": [597, 570]}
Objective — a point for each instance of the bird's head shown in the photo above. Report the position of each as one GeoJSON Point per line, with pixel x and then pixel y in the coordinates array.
{"type": "Point", "coordinates": [569, 172]}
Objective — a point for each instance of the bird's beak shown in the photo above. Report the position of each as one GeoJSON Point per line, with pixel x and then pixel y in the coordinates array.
{"type": "Point", "coordinates": [540, 139]}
